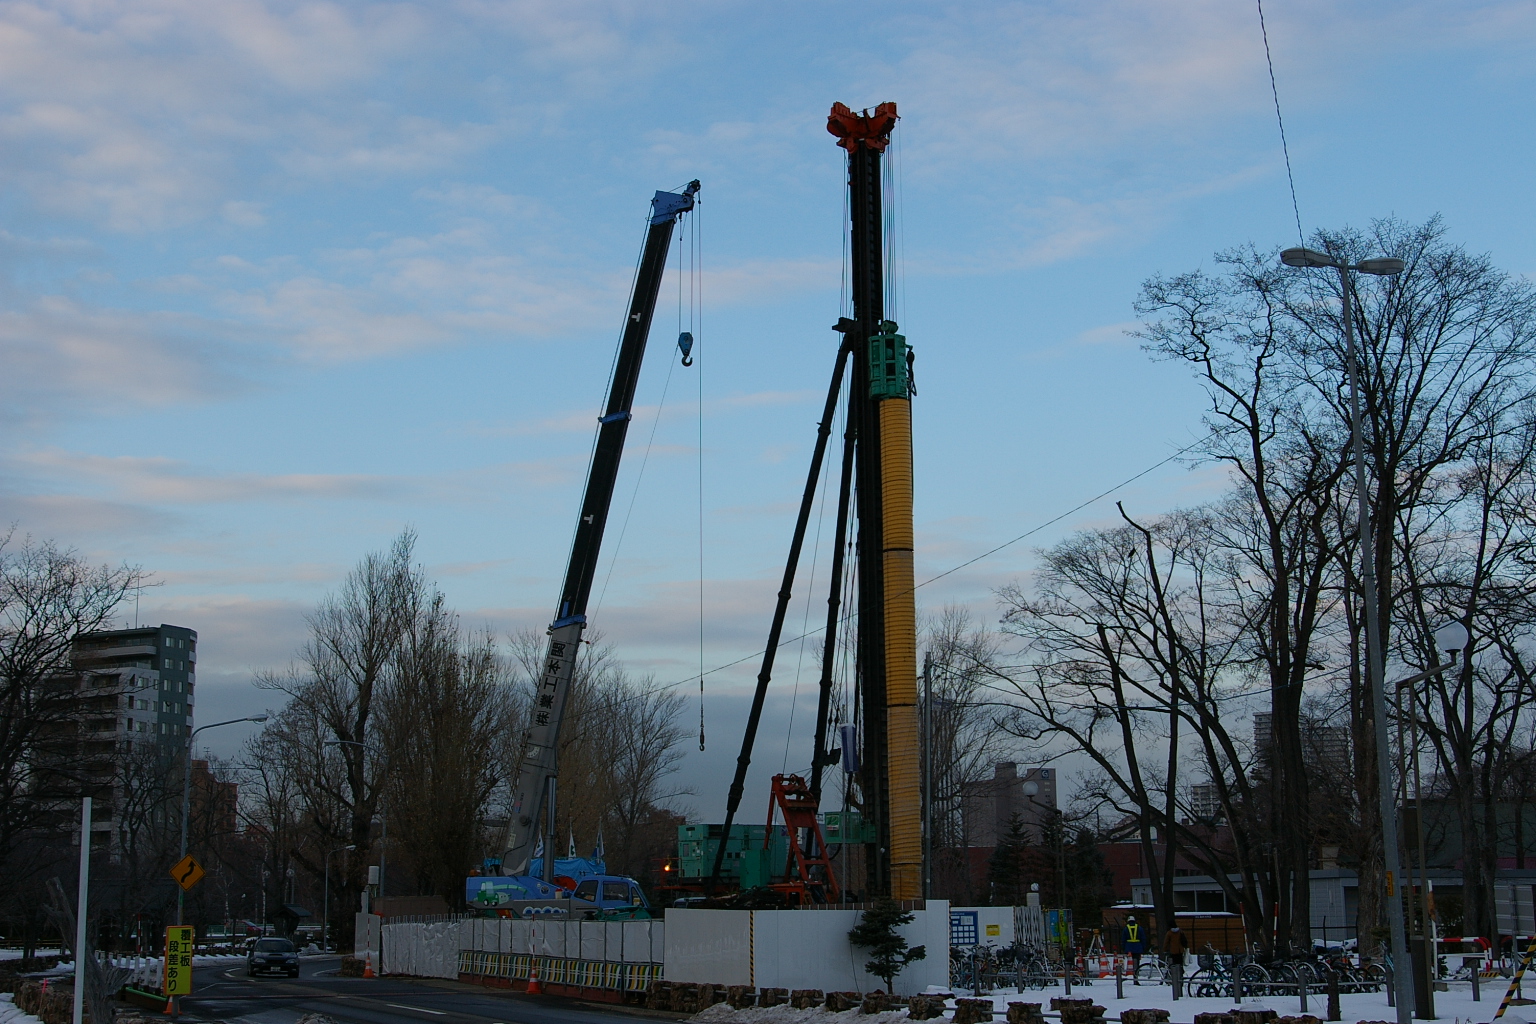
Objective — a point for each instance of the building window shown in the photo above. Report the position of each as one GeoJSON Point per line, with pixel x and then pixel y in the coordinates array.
{"type": "Point", "coordinates": [167, 662]}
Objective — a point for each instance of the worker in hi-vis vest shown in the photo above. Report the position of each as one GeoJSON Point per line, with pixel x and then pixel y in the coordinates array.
{"type": "Point", "coordinates": [1134, 943]}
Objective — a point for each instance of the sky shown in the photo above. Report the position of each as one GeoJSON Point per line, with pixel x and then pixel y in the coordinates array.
{"type": "Point", "coordinates": [278, 280]}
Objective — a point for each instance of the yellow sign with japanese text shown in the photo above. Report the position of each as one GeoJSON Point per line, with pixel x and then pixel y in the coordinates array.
{"type": "Point", "coordinates": [178, 960]}
{"type": "Point", "coordinates": [187, 872]}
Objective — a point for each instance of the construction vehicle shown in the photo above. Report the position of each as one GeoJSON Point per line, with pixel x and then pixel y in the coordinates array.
{"type": "Point", "coordinates": [879, 752]}
{"type": "Point", "coordinates": [533, 807]}
{"type": "Point", "coordinates": [584, 896]}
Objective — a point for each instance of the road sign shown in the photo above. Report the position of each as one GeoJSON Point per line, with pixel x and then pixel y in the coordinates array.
{"type": "Point", "coordinates": [178, 958]}
{"type": "Point", "coordinates": [187, 872]}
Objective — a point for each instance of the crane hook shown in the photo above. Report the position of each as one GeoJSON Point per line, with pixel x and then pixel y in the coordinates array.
{"type": "Point", "coordinates": [685, 343]}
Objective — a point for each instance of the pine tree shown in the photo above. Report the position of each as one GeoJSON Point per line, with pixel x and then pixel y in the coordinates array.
{"type": "Point", "coordinates": [1006, 871]}
{"type": "Point", "coordinates": [876, 932]}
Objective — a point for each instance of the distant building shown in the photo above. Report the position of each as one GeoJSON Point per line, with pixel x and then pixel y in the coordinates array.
{"type": "Point", "coordinates": [1325, 746]}
{"type": "Point", "coordinates": [988, 805]}
{"type": "Point", "coordinates": [137, 688]}
{"type": "Point", "coordinates": [1205, 804]}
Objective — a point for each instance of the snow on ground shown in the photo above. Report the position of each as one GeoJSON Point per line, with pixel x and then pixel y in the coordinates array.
{"type": "Point", "coordinates": [1453, 1007]}
{"type": "Point", "coordinates": [10, 1015]}
{"type": "Point", "coordinates": [722, 1013]}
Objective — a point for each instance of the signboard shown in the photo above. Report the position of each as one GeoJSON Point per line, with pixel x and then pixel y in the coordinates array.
{"type": "Point", "coordinates": [187, 872]}
{"type": "Point", "coordinates": [178, 960]}
{"type": "Point", "coordinates": [1058, 927]}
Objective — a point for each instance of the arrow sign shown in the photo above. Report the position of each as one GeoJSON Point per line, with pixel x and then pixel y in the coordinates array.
{"type": "Point", "coordinates": [187, 872]}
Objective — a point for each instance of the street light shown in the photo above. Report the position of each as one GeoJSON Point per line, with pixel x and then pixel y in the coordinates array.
{"type": "Point", "coordinates": [1452, 638]}
{"type": "Point", "coordinates": [186, 798]}
{"type": "Point", "coordinates": [383, 808]}
{"type": "Point", "coordinates": [1374, 662]}
{"type": "Point", "coordinates": [325, 912]}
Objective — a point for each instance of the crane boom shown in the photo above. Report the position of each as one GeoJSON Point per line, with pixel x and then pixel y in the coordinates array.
{"type": "Point", "coordinates": [541, 747]}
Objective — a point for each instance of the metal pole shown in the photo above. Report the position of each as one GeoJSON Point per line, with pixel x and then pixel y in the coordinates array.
{"type": "Point", "coordinates": [186, 803]}
{"type": "Point", "coordinates": [383, 833]}
{"type": "Point", "coordinates": [1375, 671]}
{"type": "Point", "coordinates": [325, 908]}
{"type": "Point", "coordinates": [80, 908]}
{"type": "Point", "coordinates": [927, 774]}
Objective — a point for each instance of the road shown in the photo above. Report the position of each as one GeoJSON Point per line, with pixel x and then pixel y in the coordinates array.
{"type": "Point", "coordinates": [224, 993]}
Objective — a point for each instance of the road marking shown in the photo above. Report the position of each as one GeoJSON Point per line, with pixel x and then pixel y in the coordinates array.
{"type": "Point", "coordinates": [418, 1009]}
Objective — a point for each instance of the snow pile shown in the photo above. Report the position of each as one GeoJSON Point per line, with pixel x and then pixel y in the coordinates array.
{"type": "Point", "coordinates": [723, 1013]}
{"type": "Point", "coordinates": [9, 1014]}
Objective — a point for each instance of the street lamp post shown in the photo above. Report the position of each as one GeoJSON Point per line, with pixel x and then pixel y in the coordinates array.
{"type": "Point", "coordinates": [186, 799]}
{"type": "Point", "coordinates": [1452, 638]}
{"type": "Point", "coordinates": [325, 911]}
{"type": "Point", "coordinates": [1374, 660]}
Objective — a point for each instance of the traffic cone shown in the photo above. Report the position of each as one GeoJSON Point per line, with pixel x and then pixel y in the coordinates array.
{"type": "Point", "coordinates": [534, 988]}
{"type": "Point", "coordinates": [368, 966]}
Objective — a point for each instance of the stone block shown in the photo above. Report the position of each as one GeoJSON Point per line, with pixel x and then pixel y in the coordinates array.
{"type": "Point", "coordinates": [773, 997]}
{"type": "Point", "coordinates": [842, 1002]}
{"type": "Point", "coordinates": [973, 1011]}
{"type": "Point", "coordinates": [741, 996]}
{"type": "Point", "coordinates": [1025, 1013]}
{"type": "Point", "coordinates": [659, 996]}
{"type": "Point", "coordinates": [875, 1002]}
{"type": "Point", "coordinates": [806, 998]}
{"type": "Point", "coordinates": [925, 1007]}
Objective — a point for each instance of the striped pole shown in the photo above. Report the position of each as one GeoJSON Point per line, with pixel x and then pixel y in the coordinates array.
{"type": "Point", "coordinates": [1514, 983]}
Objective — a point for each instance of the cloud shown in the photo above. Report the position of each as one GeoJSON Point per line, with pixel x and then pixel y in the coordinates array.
{"type": "Point", "coordinates": [244, 214]}
{"type": "Point", "coordinates": [61, 355]}
{"type": "Point", "coordinates": [164, 481]}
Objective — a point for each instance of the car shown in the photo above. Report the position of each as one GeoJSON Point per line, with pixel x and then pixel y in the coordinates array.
{"type": "Point", "coordinates": [272, 956]}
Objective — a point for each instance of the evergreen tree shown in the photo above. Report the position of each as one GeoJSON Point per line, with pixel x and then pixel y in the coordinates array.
{"type": "Point", "coordinates": [876, 932]}
{"type": "Point", "coordinates": [1006, 872]}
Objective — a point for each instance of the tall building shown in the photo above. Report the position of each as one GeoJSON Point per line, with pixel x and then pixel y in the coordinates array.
{"type": "Point", "coordinates": [1205, 804]}
{"type": "Point", "coordinates": [1326, 746]}
{"type": "Point", "coordinates": [990, 804]}
{"type": "Point", "coordinates": [133, 723]}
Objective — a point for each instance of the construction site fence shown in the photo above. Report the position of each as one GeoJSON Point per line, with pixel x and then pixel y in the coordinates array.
{"type": "Point", "coordinates": [617, 977]}
{"type": "Point", "coordinates": [434, 946]}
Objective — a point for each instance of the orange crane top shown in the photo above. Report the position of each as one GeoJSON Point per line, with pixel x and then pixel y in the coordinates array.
{"type": "Point", "coordinates": [870, 130]}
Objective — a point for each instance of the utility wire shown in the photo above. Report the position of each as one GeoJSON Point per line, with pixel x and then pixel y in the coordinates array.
{"type": "Point", "coordinates": [985, 554]}
{"type": "Point", "coordinates": [1275, 92]}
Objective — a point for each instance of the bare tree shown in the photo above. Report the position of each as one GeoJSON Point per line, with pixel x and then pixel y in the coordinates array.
{"type": "Point", "coordinates": [48, 596]}
{"type": "Point", "coordinates": [356, 636]}
{"type": "Point", "coordinates": [447, 712]}
{"type": "Point", "coordinates": [964, 742]}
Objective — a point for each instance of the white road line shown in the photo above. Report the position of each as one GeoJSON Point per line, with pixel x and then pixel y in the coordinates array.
{"type": "Point", "coordinates": [418, 1009]}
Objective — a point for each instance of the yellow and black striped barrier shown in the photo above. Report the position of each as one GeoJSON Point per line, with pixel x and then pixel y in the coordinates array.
{"type": "Point", "coordinates": [1514, 983]}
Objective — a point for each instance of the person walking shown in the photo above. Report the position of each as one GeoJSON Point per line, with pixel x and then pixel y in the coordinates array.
{"type": "Point", "coordinates": [1134, 945]}
{"type": "Point", "coordinates": [1175, 945]}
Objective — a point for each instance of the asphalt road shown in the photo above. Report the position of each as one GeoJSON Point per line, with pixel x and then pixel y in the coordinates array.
{"type": "Point", "coordinates": [226, 994]}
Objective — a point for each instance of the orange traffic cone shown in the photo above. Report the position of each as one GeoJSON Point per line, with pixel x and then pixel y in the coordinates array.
{"type": "Point", "coordinates": [534, 988]}
{"type": "Point", "coordinates": [368, 966]}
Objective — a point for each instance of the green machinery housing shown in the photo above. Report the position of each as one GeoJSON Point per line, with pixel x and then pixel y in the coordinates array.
{"type": "Point", "coordinates": [748, 861]}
